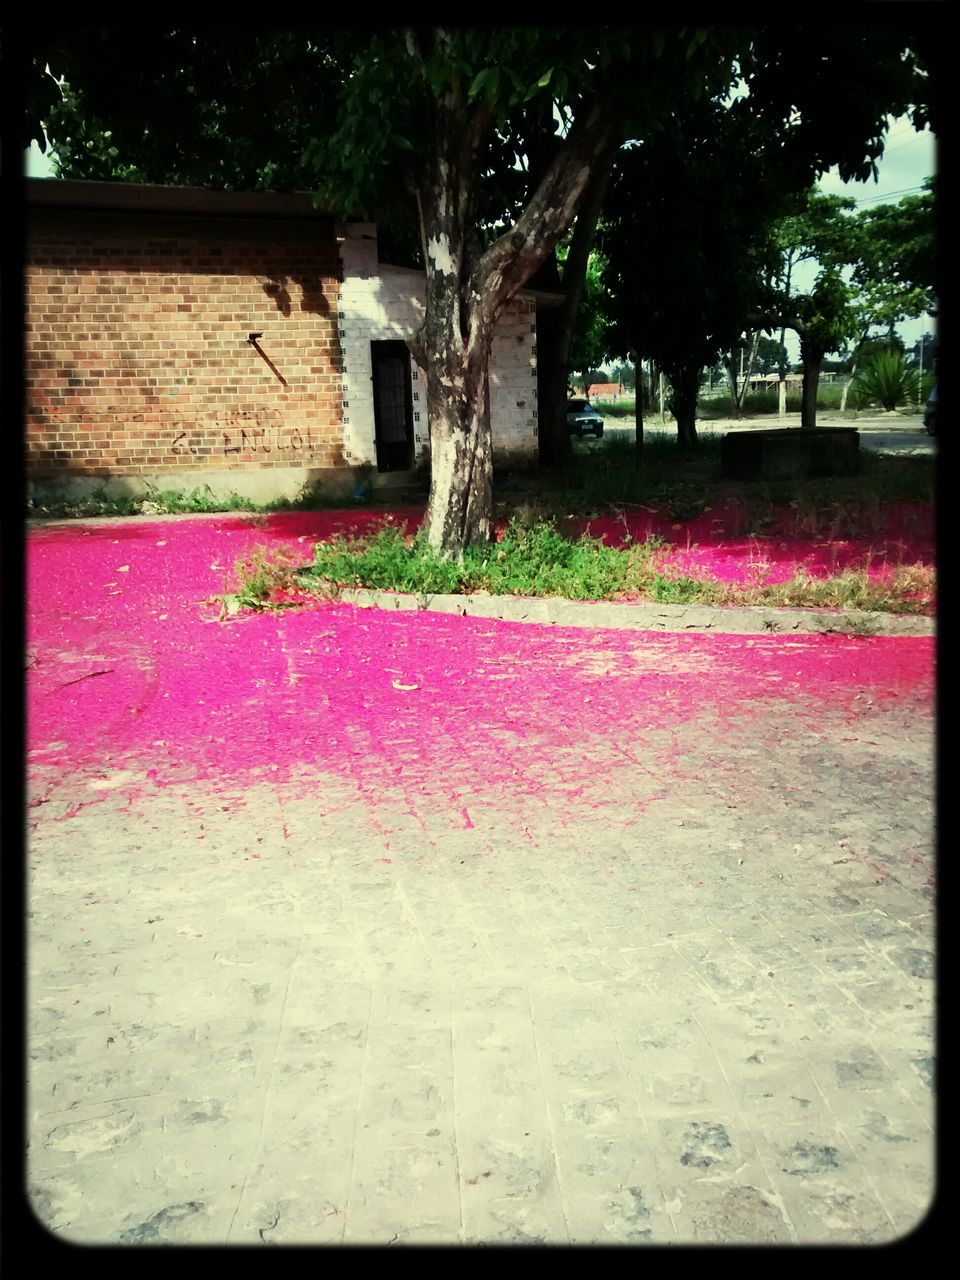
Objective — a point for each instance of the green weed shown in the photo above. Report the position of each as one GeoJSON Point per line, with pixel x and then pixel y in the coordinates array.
{"type": "Point", "coordinates": [385, 560]}
{"type": "Point", "coordinates": [258, 575]}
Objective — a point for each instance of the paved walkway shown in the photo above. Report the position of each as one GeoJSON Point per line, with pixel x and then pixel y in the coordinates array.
{"type": "Point", "coordinates": [355, 926]}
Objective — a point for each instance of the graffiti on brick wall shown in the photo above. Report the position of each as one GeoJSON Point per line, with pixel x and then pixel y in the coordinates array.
{"type": "Point", "coordinates": [255, 430]}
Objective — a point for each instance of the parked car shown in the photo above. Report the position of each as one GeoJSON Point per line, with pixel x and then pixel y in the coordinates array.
{"type": "Point", "coordinates": [581, 417]}
{"type": "Point", "coordinates": [930, 413]}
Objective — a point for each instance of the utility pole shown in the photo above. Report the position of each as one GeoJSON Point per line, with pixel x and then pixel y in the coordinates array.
{"type": "Point", "coordinates": [923, 340]}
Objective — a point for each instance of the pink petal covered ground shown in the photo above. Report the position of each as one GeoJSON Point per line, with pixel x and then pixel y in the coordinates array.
{"type": "Point", "coordinates": [130, 669]}
{"type": "Point", "coordinates": [712, 545]}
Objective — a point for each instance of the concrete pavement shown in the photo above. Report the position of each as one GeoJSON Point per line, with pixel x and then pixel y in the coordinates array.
{"type": "Point", "coordinates": [899, 433]}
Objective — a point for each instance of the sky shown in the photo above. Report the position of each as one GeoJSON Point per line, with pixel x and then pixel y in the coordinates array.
{"type": "Point", "coordinates": [908, 158]}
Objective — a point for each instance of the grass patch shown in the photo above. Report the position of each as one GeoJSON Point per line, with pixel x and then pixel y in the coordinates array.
{"type": "Point", "coordinates": [604, 477]}
{"type": "Point", "coordinates": [537, 560]}
{"type": "Point", "coordinates": [529, 560]}
{"type": "Point", "coordinates": [909, 589]}
{"type": "Point", "coordinates": [384, 561]}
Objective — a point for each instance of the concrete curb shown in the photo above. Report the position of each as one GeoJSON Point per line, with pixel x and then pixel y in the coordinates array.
{"type": "Point", "coordinates": [648, 616]}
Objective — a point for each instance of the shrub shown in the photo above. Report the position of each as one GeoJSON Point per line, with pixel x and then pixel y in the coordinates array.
{"type": "Point", "coordinates": [886, 380]}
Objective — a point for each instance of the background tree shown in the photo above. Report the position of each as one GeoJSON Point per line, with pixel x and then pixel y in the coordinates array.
{"type": "Point", "coordinates": [824, 321]}
{"type": "Point", "coordinates": [682, 239]}
{"type": "Point", "coordinates": [573, 333]}
{"type": "Point", "coordinates": [625, 373]}
{"type": "Point", "coordinates": [729, 170]}
{"type": "Point", "coordinates": [821, 229]}
{"type": "Point", "coordinates": [876, 269]}
{"type": "Point", "coordinates": [771, 354]}
{"type": "Point", "coordinates": [895, 268]}
{"type": "Point", "coordinates": [739, 365]}
{"type": "Point", "coordinates": [923, 353]}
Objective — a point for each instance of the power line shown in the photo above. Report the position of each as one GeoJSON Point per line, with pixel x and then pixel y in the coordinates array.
{"type": "Point", "coordinates": [888, 194]}
{"type": "Point", "coordinates": [919, 137]}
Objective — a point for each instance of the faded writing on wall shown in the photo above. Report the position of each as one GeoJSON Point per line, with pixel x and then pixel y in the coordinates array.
{"type": "Point", "coordinates": [255, 430]}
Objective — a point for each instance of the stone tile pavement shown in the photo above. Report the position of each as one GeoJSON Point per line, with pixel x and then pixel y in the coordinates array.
{"type": "Point", "coordinates": [694, 1006]}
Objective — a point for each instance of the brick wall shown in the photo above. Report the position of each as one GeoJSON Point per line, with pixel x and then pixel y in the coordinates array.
{"type": "Point", "coordinates": [137, 359]}
{"type": "Point", "coordinates": [380, 302]}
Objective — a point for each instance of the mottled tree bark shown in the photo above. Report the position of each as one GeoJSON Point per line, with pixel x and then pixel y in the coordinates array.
{"type": "Point", "coordinates": [460, 506]}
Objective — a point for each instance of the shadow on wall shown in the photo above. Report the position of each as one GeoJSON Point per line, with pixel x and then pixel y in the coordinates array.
{"type": "Point", "coordinates": [311, 294]}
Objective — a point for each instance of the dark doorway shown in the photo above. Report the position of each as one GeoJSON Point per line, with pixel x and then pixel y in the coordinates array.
{"type": "Point", "coordinates": [392, 405]}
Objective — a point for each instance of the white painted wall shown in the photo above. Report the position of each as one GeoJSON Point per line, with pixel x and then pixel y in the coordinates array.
{"type": "Point", "coordinates": [379, 302]}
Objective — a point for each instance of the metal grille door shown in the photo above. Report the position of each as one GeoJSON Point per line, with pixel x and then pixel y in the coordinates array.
{"type": "Point", "coordinates": [392, 405]}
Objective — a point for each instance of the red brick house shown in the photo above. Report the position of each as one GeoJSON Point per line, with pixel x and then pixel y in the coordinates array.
{"type": "Point", "coordinates": [180, 337]}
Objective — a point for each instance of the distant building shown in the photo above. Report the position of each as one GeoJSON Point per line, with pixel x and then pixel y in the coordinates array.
{"type": "Point", "coordinates": [767, 381]}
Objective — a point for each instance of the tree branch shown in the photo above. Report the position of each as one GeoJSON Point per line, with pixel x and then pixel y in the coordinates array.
{"type": "Point", "coordinates": [510, 261]}
{"type": "Point", "coordinates": [761, 320]}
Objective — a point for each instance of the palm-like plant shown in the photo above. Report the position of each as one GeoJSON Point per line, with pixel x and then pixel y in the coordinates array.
{"type": "Point", "coordinates": [886, 380]}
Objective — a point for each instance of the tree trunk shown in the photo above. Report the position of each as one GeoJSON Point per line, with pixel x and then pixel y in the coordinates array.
{"type": "Point", "coordinates": [737, 390]}
{"type": "Point", "coordinates": [782, 369]}
{"type": "Point", "coordinates": [812, 358]}
{"type": "Point", "coordinates": [685, 380]}
{"type": "Point", "coordinates": [553, 438]}
{"type": "Point", "coordinates": [846, 386]}
{"type": "Point", "coordinates": [638, 408]}
{"type": "Point", "coordinates": [730, 364]}
{"type": "Point", "coordinates": [555, 450]}
{"type": "Point", "coordinates": [467, 290]}
{"type": "Point", "coordinates": [853, 369]}
{"type": "Point", "coordinates": [460, 507]}
{"type": "Point", "coordinates": [751, 363]}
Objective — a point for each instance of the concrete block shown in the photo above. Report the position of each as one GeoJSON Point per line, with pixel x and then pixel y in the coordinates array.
{"type": "Point", "coordinates": [787, 453]}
